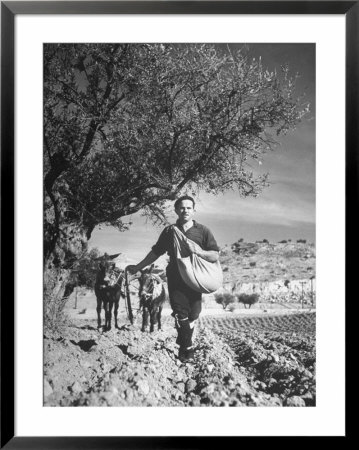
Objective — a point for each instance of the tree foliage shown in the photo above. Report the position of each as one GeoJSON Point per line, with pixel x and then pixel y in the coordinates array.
{"type": "Point", "coordinates": [224, 298]}
{"type": "Point", "coordinates": [85, 270]}
{"type": "Point", "coordinates": [127, 127]}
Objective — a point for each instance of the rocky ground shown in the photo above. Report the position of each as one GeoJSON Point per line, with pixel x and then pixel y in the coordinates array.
{"type": "Point", "coordinates": [265, 261]}
{"type": "Point", "coordinates": [259, 359]}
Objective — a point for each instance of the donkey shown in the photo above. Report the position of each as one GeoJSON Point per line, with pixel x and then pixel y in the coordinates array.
{"type": "Point", "coordinates": [152, 296]}
{"type": "Point", "coordinates": [108, 290]}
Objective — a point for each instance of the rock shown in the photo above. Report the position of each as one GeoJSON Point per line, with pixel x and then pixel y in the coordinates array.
{"type": "Point", "coordinates": [157, 394]}
{"type": "Point", "coordinates": [295, 401]}
{"type": "Point", "coordinates": [223, 394]}
{"type": "Point", "coordinates": [195, 401]}
{"type": "Point", "coordinates": [275, 357]}
{"type": "Point", "coordinates": [272, 382]}
{"type": "Point", "coordinates": [114, 390]}
{"type": "Point", "coordinates": [47, 388]}
{"type": "Point", "coordinates": [129, 396]}
{"type": "Point", "coordinates": [86, 364]}
{"type": "Point", "coordinates": [190, 385]}
{"type": "Point", "coordinates": [209, 389]}
{"type": "Point", "coordinates": [276, 401]}
{"type": "Point", "coordinates": [210, 367]}
{"type": "Point", "coordinates": [76, 388]}
{"type": "Point", "coordinates": [143, 386]}
{"type": "Point", "coordinates": [181, 386]}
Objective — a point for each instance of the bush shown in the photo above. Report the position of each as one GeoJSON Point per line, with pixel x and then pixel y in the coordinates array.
{"type": "Point", "coordinates": [59, 285]}
{"type": "Point", "coordinates": [56, 295]}
{"type": "Point", "coordinates": [232, 307]}
{"type": "Point", "coordinates": [224, 299]}
{"type": "Point", "coordinates": [282, 242]}
{"type": "Point", "coordinates": [248, 299]}
{"type": "Point", "coordinates": [301, 241]}
{"type": "Point", "coordinates": [265, 241]}
{"type": "Point", "coordinates": [252, 263]}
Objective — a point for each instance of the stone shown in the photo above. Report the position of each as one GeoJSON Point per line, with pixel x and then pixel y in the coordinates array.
{"type": "Point", "coordinates": [114, 390]}
{"type": "Point", "coordinates": [181, 386]}
{"type": "Point", "coordinates": [47, 388]}
{"type": "Point", "coordinates": [276, 401]}
{"type": "Point", "coordinates": [76, 388]}
{"type": "Point", "coordinates": [211, 388]}
{"type": "Point", "coordinates": [157, 394]}
{"type": "Point", "coordinates": [295, 401]}
{"type": "Point", "coordinates": [190, 385]}
{"type": "Point", "coordinates": [129, 395]}
{"type": "Point", "coordinates": [143, 386]}
{"type": "Point", "coordinates": [275, 357]}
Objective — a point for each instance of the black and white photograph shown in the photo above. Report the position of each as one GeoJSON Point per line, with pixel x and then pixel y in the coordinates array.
{"type": "Point", "coordinates": [179, 224]}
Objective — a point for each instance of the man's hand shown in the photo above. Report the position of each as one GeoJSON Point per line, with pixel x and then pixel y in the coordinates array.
{"type": "Point", "coordinates": [193, 248]}
{"type": "Point", "coordinates": [132, 269]}
{"type": "Point", "coordinates": [208, 255]}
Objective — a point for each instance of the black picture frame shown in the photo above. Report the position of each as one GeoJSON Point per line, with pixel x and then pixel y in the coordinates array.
{"type": "Point", "coordinates": [9, 10]}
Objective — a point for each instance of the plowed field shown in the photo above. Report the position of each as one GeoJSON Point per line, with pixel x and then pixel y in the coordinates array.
{"type": "Point", "coordinates": [241, 360]}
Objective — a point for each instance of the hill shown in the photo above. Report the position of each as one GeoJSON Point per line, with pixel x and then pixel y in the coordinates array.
{"type": "Point", "coordinates": [278, 271]}
{"type": "Point", "coordinates": [264, 261]}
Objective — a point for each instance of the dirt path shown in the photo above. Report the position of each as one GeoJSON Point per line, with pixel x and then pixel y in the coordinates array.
{"type": "Point", "coordinates": [241, 360]}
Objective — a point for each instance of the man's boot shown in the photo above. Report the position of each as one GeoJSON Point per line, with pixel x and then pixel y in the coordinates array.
{"type": "Point", "coordinates": [184, 340]}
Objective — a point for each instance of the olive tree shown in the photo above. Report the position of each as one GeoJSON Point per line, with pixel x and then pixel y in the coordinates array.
{"type": "Point", "coordinates": [129, 126]}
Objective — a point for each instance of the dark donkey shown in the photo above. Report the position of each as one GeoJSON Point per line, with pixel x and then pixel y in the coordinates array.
{"type": "Point", "coordinates": [108, 290]}
{"type": "Point", "coordinates": [152, 295]}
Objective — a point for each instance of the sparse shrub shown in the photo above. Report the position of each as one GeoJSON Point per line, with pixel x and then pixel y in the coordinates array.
{"type": "Point", "coordinates": [232, 307]}
{"type": "Point", "coordinates": [301, 241]}
{"type": "Point", "coordinates": [224, 299]}
{"type": "Point", "coordinates": [252, 263]}
{"type": "Point", "coordinates": [55, 299]}
{"type": "Point", "coordinates": [248, 299]}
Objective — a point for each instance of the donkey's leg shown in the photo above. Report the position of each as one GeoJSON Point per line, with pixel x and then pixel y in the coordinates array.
{"type": "Point", "coordinates": [144, 318]}
{"type": "Point", "coordinates": [109, 314]}
{"type": "Point", "coordinates": [115, 313]}
{"type": "Point", "coordinates": [98, 309]}
{"type": "Point", "coordinates": [153, 317]}
{"type": "Point", "coordinates": [159, 314]}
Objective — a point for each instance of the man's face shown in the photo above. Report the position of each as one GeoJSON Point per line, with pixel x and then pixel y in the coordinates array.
{"type": "Point", "coordinates": [185, 211]}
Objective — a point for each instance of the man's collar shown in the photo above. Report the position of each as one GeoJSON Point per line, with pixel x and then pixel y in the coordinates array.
{"type": "Point", "coordinates": [194, 223]}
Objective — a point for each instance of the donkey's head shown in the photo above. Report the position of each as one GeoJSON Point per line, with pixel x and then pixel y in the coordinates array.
{"type": "Point", "coordinates": [106, 271]}
{"type": "Point", "coordinates": [150, 285]}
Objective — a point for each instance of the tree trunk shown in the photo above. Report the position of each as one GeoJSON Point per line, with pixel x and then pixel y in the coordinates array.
{"type": "Point", "coordinates": [58, 265]}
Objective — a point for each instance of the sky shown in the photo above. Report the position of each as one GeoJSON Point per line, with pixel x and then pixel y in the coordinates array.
{"type": "Point", "coordinates": [284, 210]}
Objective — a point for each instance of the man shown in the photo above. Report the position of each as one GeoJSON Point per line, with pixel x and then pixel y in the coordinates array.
{"type": "Point", "coordinates": [185, 302]}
